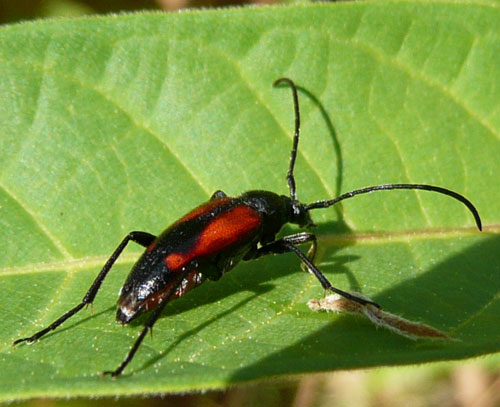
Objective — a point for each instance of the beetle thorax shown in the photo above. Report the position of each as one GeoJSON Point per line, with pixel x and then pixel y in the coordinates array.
{"type": "Point", "coordinates": [277, 210]}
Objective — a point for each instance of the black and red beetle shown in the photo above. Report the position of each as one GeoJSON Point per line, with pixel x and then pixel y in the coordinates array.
{"type": "Point", "coordinates": [213, 238]}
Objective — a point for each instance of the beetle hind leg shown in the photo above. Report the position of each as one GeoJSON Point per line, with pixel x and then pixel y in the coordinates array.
{"type": "Point", "coordinates": [148, 326]}
{"type": "Point", "coordinates": [142, 238]}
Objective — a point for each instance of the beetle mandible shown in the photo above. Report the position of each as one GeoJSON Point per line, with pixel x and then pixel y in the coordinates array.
{"type": "Point", "coordinates": [213, 238]}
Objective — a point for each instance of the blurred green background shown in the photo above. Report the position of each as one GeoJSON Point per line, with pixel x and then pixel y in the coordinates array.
{"type": "Point", "coordinates": [473, 383]}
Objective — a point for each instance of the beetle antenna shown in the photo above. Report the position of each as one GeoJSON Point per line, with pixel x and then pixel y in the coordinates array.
{"type": "Point", "coordinates": [293, 155]}
{"type": "Point", "coordinates": [444, 191]}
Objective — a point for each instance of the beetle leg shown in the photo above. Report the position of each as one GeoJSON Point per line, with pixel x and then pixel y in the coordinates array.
{"type": "Point", "coordinates": [251, 254]}
{"type": "Point", "coordinates": [276, 247]}
{"type": "Point", "coordinates": [220, 265]}
{"type": "Point", "coordinates": [298, 238]}
{"type": "Point", "coordinates": [151, 321]}
{"type": "Point", "coordinates": [213, 271]}
{"type": "Point", "coordinates": [143, 238]}
{"type": "Point", "coordinates": [288, 244]}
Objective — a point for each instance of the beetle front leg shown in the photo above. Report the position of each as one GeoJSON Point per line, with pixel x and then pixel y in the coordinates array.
{"type": "Point", "coordinates": [142, 238]}
{"type": "Point", "coordinates": [296, 239]}
{"type": "Point", "coordinates": [288, 244]}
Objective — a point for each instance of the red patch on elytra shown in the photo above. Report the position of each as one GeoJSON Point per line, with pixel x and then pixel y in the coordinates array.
{"type": "Point", "coordinates": [236, 225]}
{"type": "Point", "coordinates": [233, 226]}
{"type": "Point", "coordinates": [175, 260]}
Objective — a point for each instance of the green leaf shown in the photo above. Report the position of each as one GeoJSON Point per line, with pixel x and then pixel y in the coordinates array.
{"type": "Point", "coordinates": [126, 122]}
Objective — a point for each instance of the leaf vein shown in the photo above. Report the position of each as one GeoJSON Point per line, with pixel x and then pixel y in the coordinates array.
{"type": "Point", "coordinates": [383, 57]}
{"type": "Point", "coordinates": [55, 241]}
{"type": "Point", "coordinates": [134, 120]}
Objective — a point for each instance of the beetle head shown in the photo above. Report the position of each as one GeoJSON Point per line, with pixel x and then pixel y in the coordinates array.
{"type": "Point", "coordinates": [299, 214]}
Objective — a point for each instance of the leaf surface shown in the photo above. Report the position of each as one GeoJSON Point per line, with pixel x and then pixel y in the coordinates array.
{"type": "Point", "coordinates": [121, 123]}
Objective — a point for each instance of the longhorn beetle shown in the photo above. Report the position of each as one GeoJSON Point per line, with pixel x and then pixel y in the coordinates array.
{"type": "Point", "coordinates": [213, 238]}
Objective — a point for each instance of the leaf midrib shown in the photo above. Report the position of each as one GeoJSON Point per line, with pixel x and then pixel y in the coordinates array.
{"type": "Point", "coordinates": [328, 240]}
